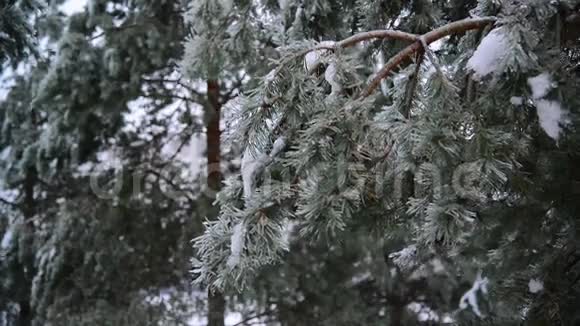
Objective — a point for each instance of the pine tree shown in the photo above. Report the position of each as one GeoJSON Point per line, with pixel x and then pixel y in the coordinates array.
{"type": "Point", "coordinates": [462, 154]}
{"type": "Point", "coordinates": [17, 38]}
{"type": "Point", "coordinates": [221, 51]}
{"type": "Point", "coordinates": [72, 252]}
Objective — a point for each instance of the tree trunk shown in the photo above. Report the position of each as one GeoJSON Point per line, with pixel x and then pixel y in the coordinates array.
{"type": "Point", "coordinates": [25, 315]}
{"type": "Point", "coordinates": [216, 300]}
{"type": "Point", "coordinates": [216, 308]}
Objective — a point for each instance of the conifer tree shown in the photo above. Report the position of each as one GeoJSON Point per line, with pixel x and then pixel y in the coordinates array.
{"type": "Point", "coordinates": [460, 148]}
{"type": "Point", "coordinates": [221, 52]}
{"type": "Point", "coordinates": [75, 248]}
{"type": "Point", "coordinates": [17, 38]}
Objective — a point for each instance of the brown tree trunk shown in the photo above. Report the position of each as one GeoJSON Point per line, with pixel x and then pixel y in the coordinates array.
{"type": "Point", "coordinates": [216, 300]}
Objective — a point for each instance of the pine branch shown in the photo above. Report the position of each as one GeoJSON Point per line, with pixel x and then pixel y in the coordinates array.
{"type": "Point", "coordinates": [376, 34]}
{"type": "Point", "coordinates": [436, 34]}
{"type": "Point", "coordinates": [357, 38]}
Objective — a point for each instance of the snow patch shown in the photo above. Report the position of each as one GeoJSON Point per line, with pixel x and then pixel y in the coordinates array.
{"type": "Point", "coordinates": [283, 4]}
{"type": "Point", "coordinates": [535, 285]}
{"type": "Point", "coordinates": [516, 100]}
{"type": "Point", "coordinates": [489, 53]}
{"type": "Point", "coordinates": [470, 297]}
{"type": "Point", "coordinates": [312, 58]}
{"type": "Point", "coordinates": [551, 116]}
{"type": "Point", "coordinates": [7, 238]}
{"type": "Point", "coordinates": [71, 7]}
{"type": "Point", "coordinates": [404, 258]}
{"type": "Point", "coordinates": [5, 154]}
{"type": "Point", "coordinates": [110, 159]}
{"type": "Point", "coordinates": [237, 245]}
{"type": "Point", "coordinates": [438, 267]}
{"type": "Point", "coordinates": [424, 312]}
{"type": "Point", "coordinates": [540, 85]}
{"type": "Point", "coordinates": [359, 278]}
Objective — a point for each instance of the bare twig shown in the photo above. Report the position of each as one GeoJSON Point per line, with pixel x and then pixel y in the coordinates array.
{"type": "Point", "coordinates": [436, 34]}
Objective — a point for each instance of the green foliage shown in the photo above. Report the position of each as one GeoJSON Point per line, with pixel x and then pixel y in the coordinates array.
{"type": "Point", "coordinates": [490, 189]}
{"type": "Point", "coordinates": [17, 37]}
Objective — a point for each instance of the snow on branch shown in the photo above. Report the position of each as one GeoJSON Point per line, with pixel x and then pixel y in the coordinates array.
{"type": "Point", "coordinates": [430, 37]}
{"type": "Point", "coordinates": [252, 165]}
{"type": "Point", "coordinates": [488, 54]}
{"type": "Point", "coordinates": [311, 54]}
{"type": "Point", "coordinates": [361, 37]}
{"type": "Point", "coordinates": [469, 299]}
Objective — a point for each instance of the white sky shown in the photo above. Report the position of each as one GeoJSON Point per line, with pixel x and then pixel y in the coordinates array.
{"type": "Point", "coordinates": [73, 6]}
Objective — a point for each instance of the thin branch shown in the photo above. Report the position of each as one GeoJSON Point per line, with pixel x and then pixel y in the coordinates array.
{"type": "Point", "coordinates": [245, 321]}
{"type": "Point", "coordinates": [351, 41]}
{"type": "Point", "coordinates": [9, 203]}
{"type": "Point", "coordinates": [377, 34]}
{"type": "Point", "coordinates": [357, 38]}
{"type": "Point", "coordinates": [114, 29]}
{"type": "Point", "coordinates": [187, 193]}
{"type": "Point", "coordinates": [457, 27]}
{"type": "Point", "coordinates": [236, 86]}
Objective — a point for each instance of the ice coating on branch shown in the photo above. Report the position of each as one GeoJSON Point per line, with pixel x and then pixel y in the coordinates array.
{"type": "Point", "coordinates": [331, 77]}
{"type": "Point", "coordinates": [236, 245]}
{"type": "Point", "coordinates": [469, 299]}
{"type": "Point", "coordinates": [287, 233]}
{"type": "Point", "coordinates": [489, 53]}
{"type": "Point", "coordinates": [551, 116]}
{"type": "Point", "coordinates": [278, 146]}
{"type": "Point", "coordinates": [250, 166]}
{"type": "Point", "coordinates": [312, 58]}
{"type": "Point", "coordinates": [540, 85]}
{"type": "Point", "coordinates": [270, 76]}
{"type": "Point", "coordinates": [253, 165]}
